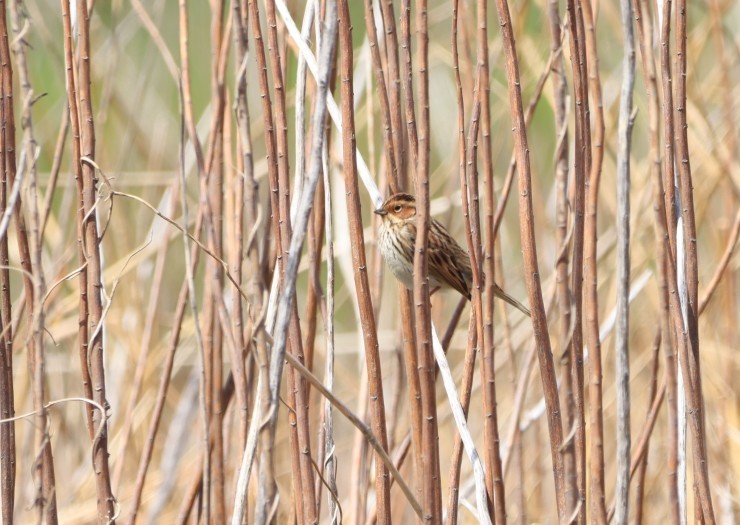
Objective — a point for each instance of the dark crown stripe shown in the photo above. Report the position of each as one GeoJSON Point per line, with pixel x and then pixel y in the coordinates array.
{"type": "Point", "coordinates": [403, 197]}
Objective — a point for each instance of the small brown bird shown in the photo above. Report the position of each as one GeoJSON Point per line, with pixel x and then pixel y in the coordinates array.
{"type": "Point", "coordinates": [449, 263]}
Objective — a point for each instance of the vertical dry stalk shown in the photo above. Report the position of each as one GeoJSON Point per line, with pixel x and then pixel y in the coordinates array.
{"type": "Point", "coordinates": [245, 206]}
{"type": "Point", "coordinates": [591, 298]}
{"type": "Point", "coordinates": [582, 167]}
{"type": "Point", "coordinates": [431, 490]}
{"type": "Point", "coordinates": [408, 85]}
{"type": "Point", "coordinates": [267, 487]}
{"type": "Point", "coordinates": [494, 475]}
{"type": "Point", "coordinates": [692, 380]}
{"type": "Point", "coordinates": [668, 218]}
{"type": "Point", "coordinates": [213, 185]}
{"type": "Point", "coordinates": [214, 179]}
{"type": "Point", "coordinates": [256, 287]}
{"type": "Point", "coordinates": [91, 352]}
{"type": "Point", "coordinates": [7, 394]}
{"type": "Point", "coordinates": [471, 213]}
{"type": "Point", "coordinates": [623, 267]}
{"type": "Point", "coordinates": [367, 317]}
{"type": "Point", "coordinates": [35, 302]}
{"type": "Point", "coordinates": [529, 248]}
{"type": "Point", "coordinates": [407, 313]}
{"type": "Point", "coordinates": [394, 89]}
{"type": "Point", "coordinates": [662, 251]}
{"type": "Point", "coordinates": [560, 91]}
{"type": "Point", "coordinates": [669, 184]}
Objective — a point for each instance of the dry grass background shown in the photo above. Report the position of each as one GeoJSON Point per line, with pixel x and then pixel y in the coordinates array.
{"type": "Point", "coordinates": [138, 126]}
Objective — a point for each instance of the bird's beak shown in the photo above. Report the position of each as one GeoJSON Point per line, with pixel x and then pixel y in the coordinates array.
{"type": "Point", "coordinates": [381, 212]}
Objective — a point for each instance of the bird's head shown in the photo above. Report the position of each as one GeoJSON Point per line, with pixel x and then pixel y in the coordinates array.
{"type": "Point", "coordinates": [398, 208]}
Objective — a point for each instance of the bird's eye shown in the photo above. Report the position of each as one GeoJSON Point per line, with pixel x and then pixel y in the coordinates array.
{"type": "Point", "coordinates": [397, 208]}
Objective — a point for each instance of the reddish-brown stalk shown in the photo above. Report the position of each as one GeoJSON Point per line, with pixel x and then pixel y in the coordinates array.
{"type": "Point", "coordinates": [692, 379]}
{"type": "Point", "coordinates": [580, 179]}
{"type": "Point", "coordinates": [267, 486]}
{"type": "Point", "coordinates": [91, 352]}
{"type": "Point", "coordinates": [372, 356]}
{"type": "Point", "coordinates": [590, 278]}
{"type": "Point", "coordinates": [495, 481]}
{"type": "Point", "coordinates": [529, 249]}
{"type": "Point", "coordinates": [431, 489]}
{"type": "Point", "coordinates": [662, 245]}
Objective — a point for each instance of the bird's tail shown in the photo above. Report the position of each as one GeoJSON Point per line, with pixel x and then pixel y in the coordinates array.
{"type": "Point", "coordinates": [513, 302]}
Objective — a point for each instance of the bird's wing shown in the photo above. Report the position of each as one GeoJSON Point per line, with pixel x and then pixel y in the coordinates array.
{"type": "Point", "coordinates": [448, 262]}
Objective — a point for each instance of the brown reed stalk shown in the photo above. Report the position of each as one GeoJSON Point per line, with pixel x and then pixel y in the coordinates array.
{"type": "Point", "coordinates": [645, 40]}
{"type": "Point", "coordinates": [693, 382]}
{"type": "Point", "coordinates": [375, 386]}
{"type": "Point", "coordinates": [362, 427]}
{"type": "Point", "coordinates": [408, 87]}
{"type": "Point", "coordinates": [8, 456]}
{"type": "Point", "coordinates": [267, 486]}
{"type": "Point", "coordinates": [590, 272]}
{"type": "Point", "coordinates": [7, 429]}
{"type": "Point", "coordinates": [247, 202]}
{"type": "Point", "coordinates": [213, 184]}
{"type": "Point", "coordinates": [390, 39]}
{"type": "Point", "coordinates": [411, 367]}
{"type": "Point", "coordinates": [529, 248]}
{"type": "Point", "coordinates": [495, 481]}
{"type": "Point", "coordinates": [560, 93]}
{"type": "Point", "coordinates": [91, 351]}
{"type": "Point", "coordinates": [36, 321]}
{"type": "Point", "coordinates": [431, 489]}
{"type": "Point", "coordinates": [582, 168]}
{"type": "Point", "coordinates": [411, 363]}
{"type": "Point", "coordinates": [471, 212]}
{"type": "Point", "coordinates": [669, 184]}
{"type": "Point", "coordinates": [314, 293]}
